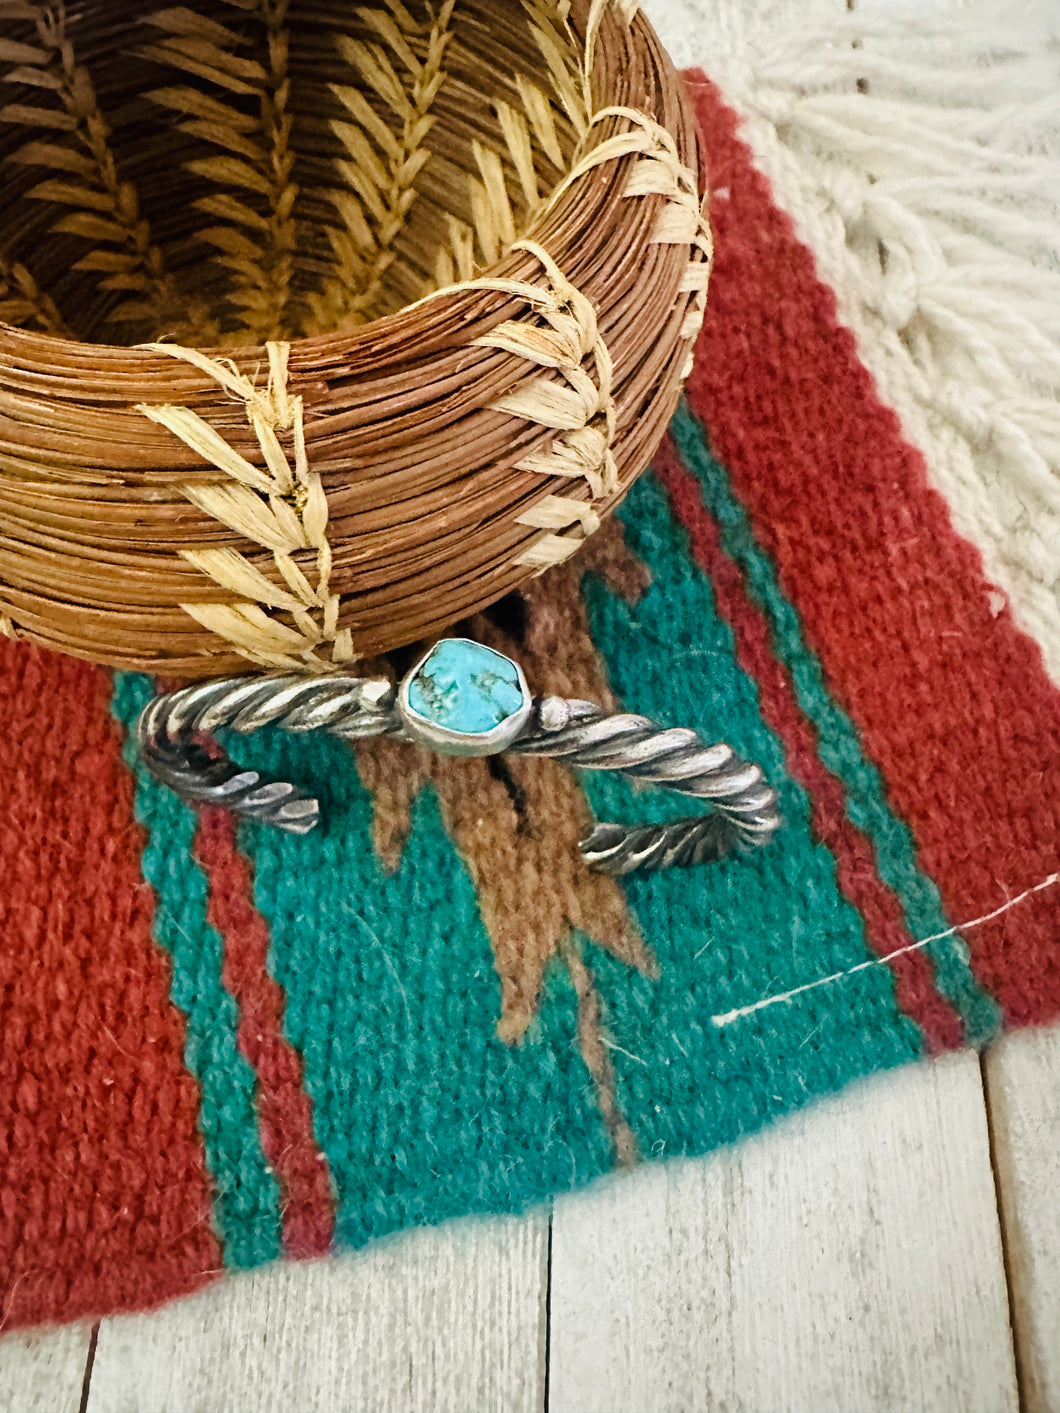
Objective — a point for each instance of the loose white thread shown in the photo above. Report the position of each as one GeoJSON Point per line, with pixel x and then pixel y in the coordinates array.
{"type": "Point", "coordinates": [628, 1053]}
{"type": "Point", "coordinates": [728, 1017]}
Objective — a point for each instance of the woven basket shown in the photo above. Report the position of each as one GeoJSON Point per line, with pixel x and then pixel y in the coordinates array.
{"type": "Point", "coordinates": [326, 325]}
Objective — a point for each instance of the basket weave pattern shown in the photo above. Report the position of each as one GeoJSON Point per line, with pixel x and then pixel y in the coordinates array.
{"type": "Point", "coordinates": [325, 326]}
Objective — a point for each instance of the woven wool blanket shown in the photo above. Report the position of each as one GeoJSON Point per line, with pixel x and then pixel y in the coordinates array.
{"type": "Point", "coordinates": [221, 1045]}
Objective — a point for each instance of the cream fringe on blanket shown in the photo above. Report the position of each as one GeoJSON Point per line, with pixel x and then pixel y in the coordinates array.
{"type": "Point", "coordinates": [919, 155]}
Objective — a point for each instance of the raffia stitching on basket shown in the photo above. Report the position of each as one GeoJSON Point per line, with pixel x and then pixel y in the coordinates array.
{"type": "Point", "coordinates": [24, 304]}
{"type": "Point", "coordinates": [281, 507]}
{"type": "Point", "coordinates": [496, 229]}
{"type": "Point", "coordinates": [580, 407]}
{"type": "Point", "coordinates": [256, 158]}
{"type": "Point", "coordinates": [537, 119]}
{"type": "Point", "coordinates": [382, 166]}
{"type": "Point", "coordinates": [583, 448]}
{"type": "Point", "coordinates": [659, 171]}
{"type": "Point", "coordinates": [584, 412]}
{"type": "Point", "coordinates": [696, 282]}
{"type": "Point", "coordinates": [550, 27]}
{"type": "Point", "coordinates": [104, 208]}
{"type": "Point", "coordinates": [495, 224]}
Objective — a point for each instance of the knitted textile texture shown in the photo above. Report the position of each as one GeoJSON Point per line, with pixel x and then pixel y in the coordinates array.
{"type": "Point", "coordinates": [221, 1045]}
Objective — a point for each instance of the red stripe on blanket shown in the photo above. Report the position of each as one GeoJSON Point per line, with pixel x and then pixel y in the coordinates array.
{"type": "Point", "coordinates": [104, 1195]}
{"type": "Point", "coordinates": [286, 1112]}
{"type": "Point", "coordinates": [858, 878]}
{"type": "Point", "coordinates": [951, 700]}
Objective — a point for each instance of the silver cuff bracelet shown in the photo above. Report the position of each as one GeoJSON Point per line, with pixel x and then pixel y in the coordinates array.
{"type": "Point", "coordinates": [461, 698]}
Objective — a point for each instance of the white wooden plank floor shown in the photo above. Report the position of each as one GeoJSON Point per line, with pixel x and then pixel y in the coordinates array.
{"type": "Point", "coordinates": [850, 1260]}
{"type": "Point", "coordinates": [450, 1319]}
{"type": "Point", "coordinates": [44, 1372]}
{"type": "Point", "coordinates": [1023, 1091]}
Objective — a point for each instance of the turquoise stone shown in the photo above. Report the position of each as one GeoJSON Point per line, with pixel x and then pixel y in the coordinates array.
{"type": "Point", "coordinates": [465, 687]}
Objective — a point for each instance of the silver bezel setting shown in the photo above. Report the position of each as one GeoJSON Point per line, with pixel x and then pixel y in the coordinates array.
{"type": "Point", "coordinates": [459, 743]}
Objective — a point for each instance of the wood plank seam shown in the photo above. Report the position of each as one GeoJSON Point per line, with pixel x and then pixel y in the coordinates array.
{"type": "Point", "coordinates": [1006, 1250]}
{"type": "Point", "coordinates": [1021, 1078]}
{"type": "Point", "coordinates": [90, 1359]}
{"type": "Point", "coordinates": [547, 1364]}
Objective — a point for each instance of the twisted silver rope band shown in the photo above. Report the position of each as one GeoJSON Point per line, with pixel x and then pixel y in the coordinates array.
{"type": "Point", "coordinates": [171, 729]}
{"type": "Point", "coordinates": [173, 734]}
{"type": "Point", "coordinates": [583, 734]}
